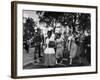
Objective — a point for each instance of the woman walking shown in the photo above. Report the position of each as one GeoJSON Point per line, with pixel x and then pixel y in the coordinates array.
{"type": "Point", "coordinates": [49, 52]}
{"type": "Point", "coordinates": [59, 49]}
{"type": "Point", "coordinates": [73, 49]}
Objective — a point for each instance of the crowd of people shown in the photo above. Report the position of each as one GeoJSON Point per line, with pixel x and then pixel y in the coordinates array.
{"type": "Point", "coordinates": [57, 38]}
{"type": "Point", "coordinates": [57, 44]}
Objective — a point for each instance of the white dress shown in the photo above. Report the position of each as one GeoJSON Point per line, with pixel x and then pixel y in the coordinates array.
{"type": "Point", "coordinates": [49, 54]}
{"type": "Point", "coordinates": [59, 50]}
{"type": "Point", "coordinates": [49, 50]}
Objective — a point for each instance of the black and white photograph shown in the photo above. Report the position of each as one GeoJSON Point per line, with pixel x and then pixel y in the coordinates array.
{"type": "Point", "coordinates": [56, 39]}
{"type": "Point", "coordinates": [53, 39]}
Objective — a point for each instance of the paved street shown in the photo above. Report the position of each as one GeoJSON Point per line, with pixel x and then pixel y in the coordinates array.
{"type": "Point", "coordinates": [29, 63]}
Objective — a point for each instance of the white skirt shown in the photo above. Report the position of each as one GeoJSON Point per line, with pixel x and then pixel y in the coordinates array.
{"type": "Point", "coordinates": [49, 51]}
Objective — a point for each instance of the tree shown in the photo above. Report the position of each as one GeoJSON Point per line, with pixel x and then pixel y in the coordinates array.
{"type": "Point", "coordinates": [28, 28]}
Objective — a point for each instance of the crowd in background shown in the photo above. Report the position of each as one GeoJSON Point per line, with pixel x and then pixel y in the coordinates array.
{"type": "Point", "coordinates": [66, 36]}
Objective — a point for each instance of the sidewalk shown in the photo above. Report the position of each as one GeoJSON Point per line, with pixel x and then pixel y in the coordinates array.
{"type": "Point", "coordinates": [28, 58]}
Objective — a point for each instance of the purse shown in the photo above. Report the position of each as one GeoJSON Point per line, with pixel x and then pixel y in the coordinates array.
{"type": "Point", "coordinates": [51, 44]}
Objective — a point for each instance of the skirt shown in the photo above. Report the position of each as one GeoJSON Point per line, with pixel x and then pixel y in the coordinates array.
{"type": "Point", "coordinates": [59, 52]}
{"type": "Point", "coordinates": [49, 59]}
{"type": "Point", "coordinates": [73, 52]}
{"type": "Point", "coordinates": [49, 51]}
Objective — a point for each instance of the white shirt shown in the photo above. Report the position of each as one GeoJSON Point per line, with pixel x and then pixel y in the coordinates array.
{"type": "Point", "coordinates": [49, 50]}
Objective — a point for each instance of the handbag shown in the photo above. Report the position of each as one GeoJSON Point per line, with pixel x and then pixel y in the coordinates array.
{"type": "Point", "coordinates": [51, 44]}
